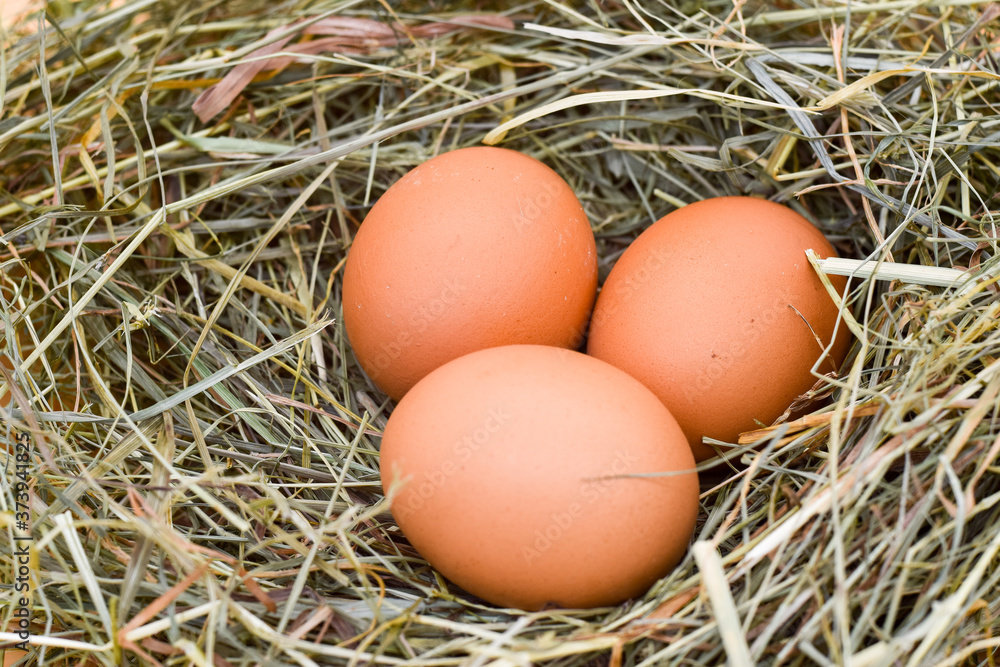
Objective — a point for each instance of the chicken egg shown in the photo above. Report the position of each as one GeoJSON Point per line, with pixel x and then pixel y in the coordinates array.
{"type": "Point", "coordinates": [535, 477]}
{"type": "Point", "coordinates": [474, 248]}
{"type": "Point", "coordinates": [717, 310]}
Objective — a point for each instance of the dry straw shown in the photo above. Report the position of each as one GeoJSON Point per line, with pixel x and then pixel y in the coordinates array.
{"type": "Point", "coordinates": [180, 183]}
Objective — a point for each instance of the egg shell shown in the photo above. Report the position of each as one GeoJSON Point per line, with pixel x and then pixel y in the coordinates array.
{"type": "Point", "coordinates": [716, 308]}
{"type": "Point", "coordinates": [507, 469]}
{"type": "Point", "coordinates": [475, 248]}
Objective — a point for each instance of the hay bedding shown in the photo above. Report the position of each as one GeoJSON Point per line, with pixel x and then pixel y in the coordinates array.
{"type": "Point", "coordinates": [176, 209]}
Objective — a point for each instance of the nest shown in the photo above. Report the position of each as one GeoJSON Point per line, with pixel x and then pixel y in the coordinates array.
{"type": "Point", "coordinates": [179, 186]}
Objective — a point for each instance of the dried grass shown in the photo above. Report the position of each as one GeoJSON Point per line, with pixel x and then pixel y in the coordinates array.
{"type": "Point", "coordinates": [205, 464]}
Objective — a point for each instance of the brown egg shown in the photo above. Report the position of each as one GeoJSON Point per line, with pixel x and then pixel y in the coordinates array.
{"type": "Point", "coordinates": [472, 249]}
{"type": "Point", "coordinates": [717, 310]}
{"type": "Point", "coordinates": [511, 466]}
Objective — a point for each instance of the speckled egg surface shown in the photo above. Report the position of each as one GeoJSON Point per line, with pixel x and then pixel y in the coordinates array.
{"type": "Point", "coordinates": [472, 249]}
{"type": "Point", "coordinates": [717, 310]}
{"type": "Point", "coordinates": [513, 465]}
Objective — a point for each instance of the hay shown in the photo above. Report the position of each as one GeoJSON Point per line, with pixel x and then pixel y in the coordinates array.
{"type": "Point", "coordinates": [205, 462]}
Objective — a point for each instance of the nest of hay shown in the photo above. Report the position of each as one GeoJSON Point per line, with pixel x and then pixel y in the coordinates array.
{"type": "Point", "coordinates": [179, 186]}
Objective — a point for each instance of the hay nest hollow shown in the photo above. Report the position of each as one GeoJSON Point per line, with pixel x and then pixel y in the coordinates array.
{"type": "Point", "coordinates": [180, 183]}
